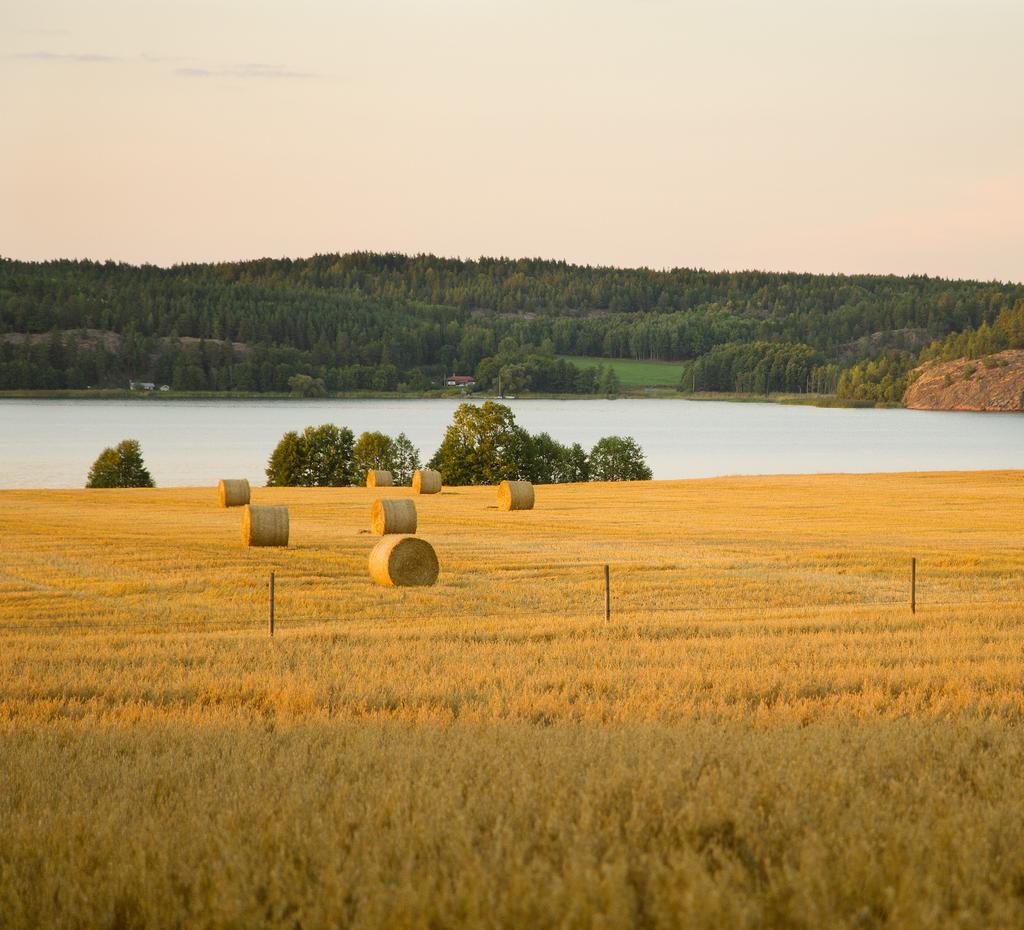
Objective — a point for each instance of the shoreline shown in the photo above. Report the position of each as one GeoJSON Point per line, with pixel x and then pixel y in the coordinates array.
{"type": "Point", "coordinates": [724, 477]}
{"type": "Point", "coordinates": [807, 400]}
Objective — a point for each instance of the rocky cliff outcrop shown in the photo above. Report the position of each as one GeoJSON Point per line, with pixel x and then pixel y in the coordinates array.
{"type": "Point", "coordinates": [995, 382]}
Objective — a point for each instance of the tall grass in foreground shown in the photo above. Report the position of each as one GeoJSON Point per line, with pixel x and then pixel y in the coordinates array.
{"type": "Point", "coordinates": [904, 823]}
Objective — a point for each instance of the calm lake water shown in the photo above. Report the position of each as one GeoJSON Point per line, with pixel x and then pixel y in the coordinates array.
{"type": "Point", "coordinates": [52, 443]}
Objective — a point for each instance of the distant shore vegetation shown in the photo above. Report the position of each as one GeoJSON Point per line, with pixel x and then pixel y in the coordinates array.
{"type": "Point", "coordinates": [387, 323]}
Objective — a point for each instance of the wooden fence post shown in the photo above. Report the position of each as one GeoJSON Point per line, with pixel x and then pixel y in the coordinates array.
{"type": "Point", "coordinates": [272, 603]}
{"type": "Point", "coordinates": [607, 595]}
{"type": "Point", "coordinates": [913, 585]}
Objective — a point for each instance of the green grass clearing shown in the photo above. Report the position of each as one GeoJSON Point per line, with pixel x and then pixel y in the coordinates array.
{"type": "Point", "coordinates": [632, 373]}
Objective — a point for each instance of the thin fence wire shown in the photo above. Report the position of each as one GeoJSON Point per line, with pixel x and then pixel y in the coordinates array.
{"type": "Point", "coordinates": [155, 618]}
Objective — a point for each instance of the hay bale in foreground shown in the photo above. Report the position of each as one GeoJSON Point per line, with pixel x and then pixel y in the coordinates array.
{"type": "Point", "coordinates": [265, 526]}
{"type": "Point", "coordinates": [233, 492]}
{"type": "Point", "coordinates": [515, 495]}
{"type": "Point", "coordinates": [379, 479]}
{"type": "Point", "coordinates": [388, 517]}
{"type": "Point", "coordinates": [403, 561]}
{"type": "Point", "coordinates": [426, 481]}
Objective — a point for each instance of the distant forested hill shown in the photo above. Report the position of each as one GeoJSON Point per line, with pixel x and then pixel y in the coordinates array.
{"type": "Point", "coordinates": [384, 322]}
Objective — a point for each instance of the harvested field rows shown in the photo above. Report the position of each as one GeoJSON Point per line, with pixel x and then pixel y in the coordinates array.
{"type": "Point", "coordinates": [764, 735]}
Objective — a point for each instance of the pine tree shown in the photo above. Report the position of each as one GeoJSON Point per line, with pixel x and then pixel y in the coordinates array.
{"type": "Point", "coordinates": [610, 384]}
{"type": "Point", "coordinates": [120, 467]}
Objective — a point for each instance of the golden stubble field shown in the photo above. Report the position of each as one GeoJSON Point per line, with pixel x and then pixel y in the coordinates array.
{"type": "Point", "coordinates": [764, 735]}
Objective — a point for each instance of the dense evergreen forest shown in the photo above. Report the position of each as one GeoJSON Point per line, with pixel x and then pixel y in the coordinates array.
{"type": "Point", "coordinates": [385, 322]}
{"type": "Point", "coordinates": [886, 378]}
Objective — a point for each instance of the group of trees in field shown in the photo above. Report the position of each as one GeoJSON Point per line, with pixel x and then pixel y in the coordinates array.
{"type": "Point", "coordinates": [483, 445]}
{"type": "Point", "coordinates": [379, 323]}
{"type": "Point", "coordinates": [331, 456]}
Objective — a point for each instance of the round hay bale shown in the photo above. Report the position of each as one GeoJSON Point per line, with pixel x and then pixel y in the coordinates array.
{"type": "Point", "coordinates": [403, 561]}
{"type": "Point", "coordinates": [393, 517]}
{"type": "Point", "coordinates": [265, 526]}
{"type": "Point", "coordinates": [233, 492]}
{"type": "Point", "coordinates": [515, 495]}
{"type": "Point", "coordinates": [379, 479]}
{"type": "Point", "coordinates": [426, 481]}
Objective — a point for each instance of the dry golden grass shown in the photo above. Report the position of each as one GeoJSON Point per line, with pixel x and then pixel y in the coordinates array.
{"type": "Point", "coordinates": [763, 736]}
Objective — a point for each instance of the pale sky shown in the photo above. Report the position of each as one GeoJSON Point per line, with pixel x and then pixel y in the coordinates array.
{"type": "Point", "coordinates": [846, 136]}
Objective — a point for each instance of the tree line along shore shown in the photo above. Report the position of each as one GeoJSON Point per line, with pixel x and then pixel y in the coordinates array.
{"type": "Point", "coordinates": [386, 323]}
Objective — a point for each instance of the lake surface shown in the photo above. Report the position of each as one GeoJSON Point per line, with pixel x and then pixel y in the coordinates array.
{"type": "Point", "coordinates": [52, 443]}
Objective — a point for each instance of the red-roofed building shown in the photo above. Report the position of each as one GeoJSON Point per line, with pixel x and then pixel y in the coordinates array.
{"type": "Point", "coordinates": [460, 380]}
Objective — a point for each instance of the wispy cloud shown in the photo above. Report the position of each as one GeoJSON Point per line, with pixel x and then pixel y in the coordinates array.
{"type": "Point", "coordinates": [83, 57]}
{"type": "Point", "coordinates": [167, 59]}
{"type": "Point", "coordinates": [187, 67]}
{"type": "Point", "coordinates": [246, 71]}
